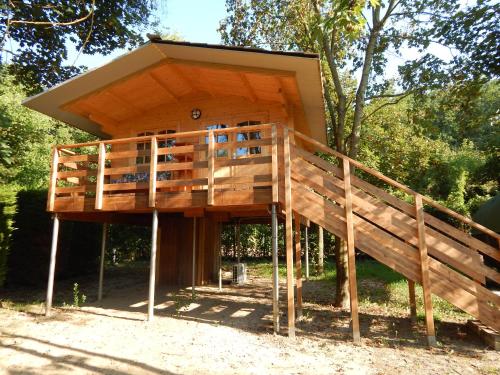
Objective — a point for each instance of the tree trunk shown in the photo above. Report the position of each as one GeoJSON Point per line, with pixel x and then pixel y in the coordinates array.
{"type": "Point", "coordinates": [321, 251]}
{"type": "Point", "coordinates": [342, 284]}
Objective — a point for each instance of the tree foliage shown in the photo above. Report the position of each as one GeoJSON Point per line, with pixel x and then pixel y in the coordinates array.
{"type": "Point", "coordinates": [36, 34]}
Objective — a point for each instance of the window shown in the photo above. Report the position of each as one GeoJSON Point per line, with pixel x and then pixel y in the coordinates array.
{"type": "Point", "coordinates": [219, 138]}
{"type": "Point", "coordinates": [166, 143]}
{"type": "Point", "coordinates": [246, 137]}
{"type": "Point", "coordinates": [143, 159]}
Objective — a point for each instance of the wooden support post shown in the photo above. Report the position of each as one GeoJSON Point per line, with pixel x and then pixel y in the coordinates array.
{"type": "Point", "coordinates": [424, 267]}
{"type": "Point", "coordinates": [306, 234]}
{"type": "Point", "coordinates": [101, 164]}
{"type": "Point", "coordinates": [289, 237]}
{"type": "Point", "coordinates": [275, 164]}
{"type": "Point", "coordinates": [52, 267]}
{"type": "Point", "coordinates": [193, 278]}
{"type": "Point", "coordinates": [152, 266]}
{"type": "Point", "coordinates": [211, 168]}
{"type": "Point", "coordinates": [321, 251]}
{"type": "Point", "coordinates": [238, 243]}
{"type": "Point", "coordinates": [298, 266]}
{"type": "Point", "coordinates": [351, 256]}
{"type": "Point", "coordinates": [276, 291]}
{"type": "Point", "coordinates": [153, 164]}
{"type": "Point", "coordinates": [101, 261]}
{"type": "Point", "coordinates": [413, 303]}
{"type": "Point", "coordinates": [54, 168]}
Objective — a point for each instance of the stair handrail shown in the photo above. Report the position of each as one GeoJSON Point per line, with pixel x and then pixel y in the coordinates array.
{"type": "Point", "coordinates": [397, 184]}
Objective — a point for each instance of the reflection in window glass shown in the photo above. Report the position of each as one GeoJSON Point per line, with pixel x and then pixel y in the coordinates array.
{"type": "Point", "coordinates": [219, 138]}
{"type": "Point", "coordinates": [246, 137]}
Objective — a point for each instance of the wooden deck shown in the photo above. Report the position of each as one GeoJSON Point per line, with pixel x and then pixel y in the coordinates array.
{"type": "Point", "coordinates": [169, 172]}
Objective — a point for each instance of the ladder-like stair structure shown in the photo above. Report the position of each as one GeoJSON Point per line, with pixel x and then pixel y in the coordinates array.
{"type": "Point", "coordinates": [446, 261]}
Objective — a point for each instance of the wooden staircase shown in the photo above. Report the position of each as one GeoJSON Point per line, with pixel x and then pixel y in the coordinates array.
{"type": "Point", "coordinates": [446, 261]}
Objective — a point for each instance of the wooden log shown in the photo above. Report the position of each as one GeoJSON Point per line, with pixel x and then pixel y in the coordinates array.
{"type": "Point", "coordinates": [152, 172]}
{"type": "Point", "coordinates": [289, 237]}
{"type": "Point", "coordinates": [101, 165]}
{"type": "Point", "coordinates": [424, 267]}
{"type": "Point", "coordinates": [298, 266]}
{"type": "Point", "coordinates": [351, 256]}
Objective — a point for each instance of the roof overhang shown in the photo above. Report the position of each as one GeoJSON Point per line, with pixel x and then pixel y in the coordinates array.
{"type": "Point", "coordinates": [305, 67]}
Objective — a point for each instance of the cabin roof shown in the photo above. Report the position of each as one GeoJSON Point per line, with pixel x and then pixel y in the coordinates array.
{"type": "Point", "coordinates": [303, 67]}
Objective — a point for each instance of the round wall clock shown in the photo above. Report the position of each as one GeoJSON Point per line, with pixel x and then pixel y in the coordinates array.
{"type": "Point", "coordinates": [195, 113]}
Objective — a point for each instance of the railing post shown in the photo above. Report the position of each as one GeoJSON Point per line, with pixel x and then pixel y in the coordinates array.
{"type": "Point", "coordinates": [274, 165]}
{"type": "Point", "coordinates": [351, 256]}
{"type": "Point", "coordinates": [211, 168]}
{"type": "Point", "coordinates": [289, 236]}
{"type": "Point", "coordinates": [424, 267]}
{"type": "Point", "coordinates": [101, 165]}
{"type": "Point", "coordinates": [152, 172]}
{"type": "Point", "coordinates": [54, 168]}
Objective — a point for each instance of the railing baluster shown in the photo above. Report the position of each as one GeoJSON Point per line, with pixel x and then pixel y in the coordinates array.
{"type": "Point", "coordinates": [211, 163]}
{"type": "Point", "coordinates": [424, 268]}
{"type": "Point", "coordinates": [101, 165]}
{"type": "Point", "coordinates": [54, 168]}
{"type": "Point", "coordinates": [152, 172]}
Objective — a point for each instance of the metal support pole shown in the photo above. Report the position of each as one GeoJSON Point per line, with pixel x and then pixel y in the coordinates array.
{"type": "Point", "coordinates": [238, 243]}
{"type": "Point", "coordinates": [276, 291]}
{"type": "Point", "coordinates": [220, 267]}
{"type": "Point", "coordinates": [193, 278]}
{"type": "Point", "coordinates": [306, 234]}
{"type": "Point", "coordinates": [152, 266]}
{"type": "Point", "coordinates": [101, 265]}
{"type": "Point", "coordinates": [52, 267]}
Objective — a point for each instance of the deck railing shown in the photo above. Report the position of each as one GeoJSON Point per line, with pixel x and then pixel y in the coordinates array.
{"type": "Point", "coordinates": [238, 158]}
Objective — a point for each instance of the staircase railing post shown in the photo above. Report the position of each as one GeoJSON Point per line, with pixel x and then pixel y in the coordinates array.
{"type": "Point", "coordinates": [289, 235]}
{"type": "Point", "coordinates": [424, 268]}
{"type": "Point", "coordinates": [351, 256]}
{"type": "Point", "coordinates": [54, 168]}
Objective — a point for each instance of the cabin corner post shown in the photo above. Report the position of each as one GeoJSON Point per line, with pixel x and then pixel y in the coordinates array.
{"type": "Point", "coordinates": [152, 267]}
{"type": "Point", "coordinates": [54, 169]}
{"type": "Point", "coordinates": [101, 260]}
{"type": "Point", "coordinates": [276, 291]}
{"type": "Point", "coordinates": [298, 265]}
{"type": "Point", "coordinates": [52, 266]}
{"type": "Point", "coordinates": [424, 268]}
{"type": "Point", "coordinates": [289, 236]}
{"type": "Point", "coordinates": [351, 255]}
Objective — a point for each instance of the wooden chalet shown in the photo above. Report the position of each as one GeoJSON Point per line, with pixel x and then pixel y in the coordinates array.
{"type": "Point", "coordinates": [195, 135]}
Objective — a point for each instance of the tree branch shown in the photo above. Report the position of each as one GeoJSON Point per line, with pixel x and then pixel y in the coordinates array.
{"type": "Point", "coordinates": [388, 104]}
{"type": "Point", "coordinates": [50, 23]}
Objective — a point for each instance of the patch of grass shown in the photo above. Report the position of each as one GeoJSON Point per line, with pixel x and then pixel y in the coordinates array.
{"type": "Point", "coordinates": [378, 287]}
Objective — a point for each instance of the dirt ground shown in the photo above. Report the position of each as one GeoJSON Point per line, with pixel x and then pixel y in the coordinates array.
{"type": "Point", "coordinates": [224, 332]}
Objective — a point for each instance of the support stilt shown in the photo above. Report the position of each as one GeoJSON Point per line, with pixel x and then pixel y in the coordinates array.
{"type": "Point", "coordinates": [238, 243]}
{"type": "Point", "coordinates": [101, 261]}
{"type": "Point", "coordinates": [193, 278]}
{"type": "Point", "coordinates": [52, 267]}
{"type": "Point", "coordinates": [306, 234]}
{"type": "Point", "coordinates": [424, 267]}
{"type": "Point", "coordinates": [152, 266]}
{"type": "Point", "coordinates": [298, 266]}
{"type": "Point", "coordinates": [413, 303]}
{"type": "Point", "coordinates": [351, 256]}
{"type": "Point", "coordinates": [274, 231]}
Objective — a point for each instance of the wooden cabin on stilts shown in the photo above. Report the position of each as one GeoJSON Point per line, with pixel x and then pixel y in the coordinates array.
{"type": "Point", "coordinates": [193, 136]}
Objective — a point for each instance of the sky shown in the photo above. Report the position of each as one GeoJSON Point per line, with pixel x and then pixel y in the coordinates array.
{"type": "Point", "coordinates": [193, 20]}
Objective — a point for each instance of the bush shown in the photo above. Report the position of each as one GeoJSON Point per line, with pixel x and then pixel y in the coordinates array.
{"type": "Point", "coordinates": [7, 210]}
